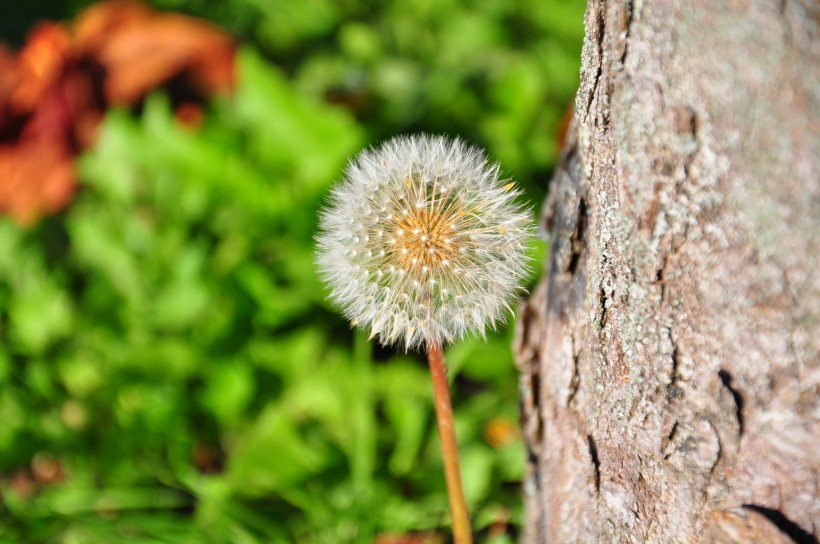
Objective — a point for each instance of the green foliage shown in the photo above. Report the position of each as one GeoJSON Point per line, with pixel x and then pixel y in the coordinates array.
{"type": "Point", "coordinates": [166, 344]}
{"type": "Point", "coordinates": [498, 72]}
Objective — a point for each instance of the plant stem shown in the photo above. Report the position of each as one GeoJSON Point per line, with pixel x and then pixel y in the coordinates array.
{"type": "Point", "coordinates": [449, 449]}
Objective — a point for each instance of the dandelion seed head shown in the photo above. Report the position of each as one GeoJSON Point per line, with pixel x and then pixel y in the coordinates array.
{"type": "Point", "coordinates": [464, 261]}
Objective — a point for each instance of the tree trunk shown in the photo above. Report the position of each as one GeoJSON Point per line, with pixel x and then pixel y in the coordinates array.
{"type": "Point", "coordinates": [669, 360]}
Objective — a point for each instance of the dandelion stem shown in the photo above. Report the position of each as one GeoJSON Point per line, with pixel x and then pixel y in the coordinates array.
{"type": "Point", "coordinates": [449, 448]}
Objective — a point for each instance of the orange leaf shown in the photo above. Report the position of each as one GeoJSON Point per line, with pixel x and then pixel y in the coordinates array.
{"type": "Point", "coordinates": [36, 178]}
{"type": "Point", "coordinates": [39, 65]}
{"type": "Point", "coordinates": [141, 49]}
{"type": "Point", "coordinates": [55, 91]}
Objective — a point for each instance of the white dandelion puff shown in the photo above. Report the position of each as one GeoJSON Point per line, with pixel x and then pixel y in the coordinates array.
{"type": "Point", "coordinates": [462, 265]}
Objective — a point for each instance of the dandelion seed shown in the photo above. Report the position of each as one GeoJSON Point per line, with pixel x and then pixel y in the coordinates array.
{"type": "Point", "coordinates": [477, 227]}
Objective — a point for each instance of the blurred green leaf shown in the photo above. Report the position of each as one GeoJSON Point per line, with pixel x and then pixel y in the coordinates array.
{"type": "Point", "coordinates": [285, 131]}
{"type": "Point", "coordinates": [39, 313]}
{"type": "Point", "coordinates": [272, 455]}
{"type": "Point", "coordinates": [476, 469]}
{"type": "Point", "coordinates": [229, 390]}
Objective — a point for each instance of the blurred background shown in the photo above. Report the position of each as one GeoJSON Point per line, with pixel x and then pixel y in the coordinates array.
{"type": "Point", "coordinates": [170, 370]}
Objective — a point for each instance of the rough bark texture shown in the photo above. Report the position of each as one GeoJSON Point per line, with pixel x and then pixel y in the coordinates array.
{"type": "Point", "coordinates": [670, 373]}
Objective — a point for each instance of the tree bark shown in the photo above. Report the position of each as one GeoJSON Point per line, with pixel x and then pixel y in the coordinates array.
{"type": "Point", "coordinates": [670, 376]}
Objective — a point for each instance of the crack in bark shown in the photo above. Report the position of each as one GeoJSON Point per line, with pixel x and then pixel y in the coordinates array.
{"type": "Point", "coordinates": [602, 294]}
{"type": "Point", "coordinates": [577, 238]}
{"type": "Point", "coordinates": [601, 31]}
{"type": "Point", "coordinates": [596, 463]}
{"type": "Point", "coordinates": [659, 277]}
{"type": "Point", "coordinates": [575, 379]}
{"type": "Point", "coordinates": [726, 378]}
{"type": "Point", "coordinates": [530, 415]}
{"type": "Point", "coordinates": [670, 438]}
{"type": "Point", "coordinates": [688, 123]}
{"type": "Point", "coordinates": [535, 380]}
{"type": "Point", "coordinates": [784, 524]}
{"type": "Point", "coordinates": [629, 9]}
{"type": "Point", "coordinates": [672, 390]}
{"type": "Point", "coordinates": [527, 315]}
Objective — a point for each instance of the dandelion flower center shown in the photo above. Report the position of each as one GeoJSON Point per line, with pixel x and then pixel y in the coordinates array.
{"type": "Point", "coordinates": [425, 235]}
{"type": "Point", "coordinates": [422, 243]}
